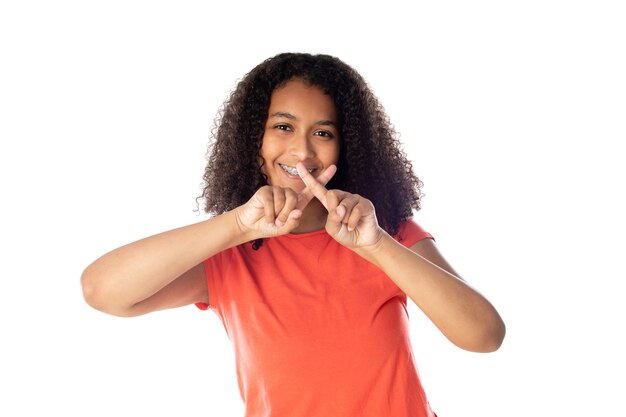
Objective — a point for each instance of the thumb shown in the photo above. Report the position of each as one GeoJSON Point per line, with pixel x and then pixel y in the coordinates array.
{"type": "Point", "coordinates": [293, 220]}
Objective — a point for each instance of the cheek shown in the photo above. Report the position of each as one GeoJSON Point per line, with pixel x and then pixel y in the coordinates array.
{"type": "Point", "coordinates": [268, 147]}
{"type": "Point", "coordinates": [333, 153]}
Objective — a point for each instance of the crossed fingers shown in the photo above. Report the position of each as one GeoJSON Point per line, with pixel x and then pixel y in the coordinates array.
{"type": "Point", "coordinates": [314, 187]}
{"type": "Point", "coordinates": [283, 205]}
{"type": "Point", "coordinates": [313, 184]}
{"type": "Point", "coordinates": [344, 209]}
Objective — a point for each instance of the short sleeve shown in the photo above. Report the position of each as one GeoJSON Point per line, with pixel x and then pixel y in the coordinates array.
{"type": "Point", "coordinates": [410, 233]}
{"type": "Point", "coordinates": [210, 270]}
{"type": "Point", "coordinates": [202, 306]}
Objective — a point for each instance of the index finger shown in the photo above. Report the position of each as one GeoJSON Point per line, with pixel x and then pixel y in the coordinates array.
{"type": "Point", "coordinates": [306, 195]}
{"type": "Point", "coordinates": [313, 185]}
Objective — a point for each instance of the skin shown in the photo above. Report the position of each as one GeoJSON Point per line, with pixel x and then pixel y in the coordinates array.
{"type": "Point", "coordinates": [462, 314]}
{"type": "Point", "coordinates": [166, 271]}
{"type": "Point", "coordinates": [301, 128]}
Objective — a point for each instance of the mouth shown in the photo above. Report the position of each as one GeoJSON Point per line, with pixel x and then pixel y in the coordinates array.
{"type": "Point", "coordinates": [293, 171]}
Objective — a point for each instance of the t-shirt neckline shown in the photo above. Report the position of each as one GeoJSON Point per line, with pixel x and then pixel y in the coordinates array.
{"type": "Point", "coordinates": [304, 235]}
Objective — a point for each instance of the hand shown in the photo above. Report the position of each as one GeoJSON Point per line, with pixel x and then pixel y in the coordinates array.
{"type": "Point", "coordinates": [351, 218]}
{"type": "Point", "coordinates": [275, 211]}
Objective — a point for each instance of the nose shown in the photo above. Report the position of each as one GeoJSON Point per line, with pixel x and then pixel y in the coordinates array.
{"type": "Point", "coordinates": [301, 147]}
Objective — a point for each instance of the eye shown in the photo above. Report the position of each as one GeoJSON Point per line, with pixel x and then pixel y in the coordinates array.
{"type": "Point", "coordinates": [282, 126]}
{"type": "Point", "coordinates": [324, 134]}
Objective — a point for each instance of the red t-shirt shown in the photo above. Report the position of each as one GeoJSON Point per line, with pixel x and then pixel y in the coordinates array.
{"type": "Point", "coordinates": [316, 329]}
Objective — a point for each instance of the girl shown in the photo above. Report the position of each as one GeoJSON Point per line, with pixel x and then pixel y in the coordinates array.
{"type": "Point", "coordinates": [310, 253]}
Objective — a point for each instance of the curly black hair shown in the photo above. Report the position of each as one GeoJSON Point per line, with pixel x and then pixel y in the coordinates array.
{"type": "Point", "coordinates": [371, 160]}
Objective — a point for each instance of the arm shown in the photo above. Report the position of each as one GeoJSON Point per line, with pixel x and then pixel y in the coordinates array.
{"type": "Point", "coordinates": [462, 314]}
{"type": "Point", "coordinates": [161, 271]}
{"type": "Point", "coordinates": [166, 270]}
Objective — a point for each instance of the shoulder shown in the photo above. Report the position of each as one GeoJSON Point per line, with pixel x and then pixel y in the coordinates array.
{"type": "Point", "coordinates": [423, 243]}
{"type": "Point", "coordinates": [410, 232]}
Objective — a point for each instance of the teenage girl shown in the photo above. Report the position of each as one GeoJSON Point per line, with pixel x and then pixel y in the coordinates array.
{"type": "Point", "coordinates": [311, 251]}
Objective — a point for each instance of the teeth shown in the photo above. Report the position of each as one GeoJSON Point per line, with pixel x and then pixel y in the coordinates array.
{"type": "Point", "coordinates": [293, 170]}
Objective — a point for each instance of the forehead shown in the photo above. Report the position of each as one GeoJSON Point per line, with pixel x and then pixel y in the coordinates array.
{"type": "Point", "coordinates": [297, 96]}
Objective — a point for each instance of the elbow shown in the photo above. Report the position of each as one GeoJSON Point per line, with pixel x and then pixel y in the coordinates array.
{"type": "Point", "coordinates": [90, 288]}
{"type": "Point", "coordinates": [486, 338]}
{"type": "Point", "coordinates": [96, 295]}
{"type": "Point", "coordinates": [493, 343]}
{"type": "Point", "coordinates": [491, 338]}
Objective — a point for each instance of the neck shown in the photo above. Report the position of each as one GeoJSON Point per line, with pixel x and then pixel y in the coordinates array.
{"type": "Point", "coordinates": [313, 218]}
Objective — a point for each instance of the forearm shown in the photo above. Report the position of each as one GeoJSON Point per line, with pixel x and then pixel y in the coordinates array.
{"type": "Point", "coordinates": [462, 314]}
{"type": "Point", "coordinates": [134, 272]}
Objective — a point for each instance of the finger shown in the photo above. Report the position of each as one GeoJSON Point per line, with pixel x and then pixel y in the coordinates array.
{"type": "Point", "coordinates": [317, 189]}
{"type": "Point", "coordinates": [333, 198]}
{"type": "Point", "coordinates": [326, 175]}
{"type": "Point", "coordinates": [363, 209]}
{"type": "Point", "coordinates": [293, 220]}
{"type": "Point", "coordinates": [336, 213]}
{"type": "Point", "coordinates": [290, 199]}
{"type": "Point", "coordinates": [351, 205]}
{"type": "Point", "coordinates": [279, 201]}
{"type": "Point", "coordinates": [355, 217]}
{"type": "Point", "coordinates": [258, 199]}
{"type": "Point", "coordinates": [306, 195]}
{"type": "Point", "coordinates": [268, 207]}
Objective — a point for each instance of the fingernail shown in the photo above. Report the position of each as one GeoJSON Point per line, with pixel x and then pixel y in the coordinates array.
{"type": "Point", "coordinates": [299, 167]}
{"type": "Point", "coordinates": [279, 223]}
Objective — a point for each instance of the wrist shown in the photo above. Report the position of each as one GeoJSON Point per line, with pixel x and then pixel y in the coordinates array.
{"type": "Point", "coordinates": [242, 233]}
{"type": "Point", "coordinates": [374, 251]}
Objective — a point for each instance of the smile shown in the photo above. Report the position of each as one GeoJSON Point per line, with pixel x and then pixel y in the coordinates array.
{"type": "Point", "coordinates": [292, 170]}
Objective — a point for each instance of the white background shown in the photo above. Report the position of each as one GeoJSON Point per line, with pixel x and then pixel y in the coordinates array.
{"type": "Point", "coordinates": [512, 113]}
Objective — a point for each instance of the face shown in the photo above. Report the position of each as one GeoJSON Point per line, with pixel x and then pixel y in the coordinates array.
{"type": "Point", "coordinates": [301, 127]}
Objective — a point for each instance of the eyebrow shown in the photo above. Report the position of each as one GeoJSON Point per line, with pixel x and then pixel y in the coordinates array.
{"type": "Point", "coordinates": [292, 117]}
